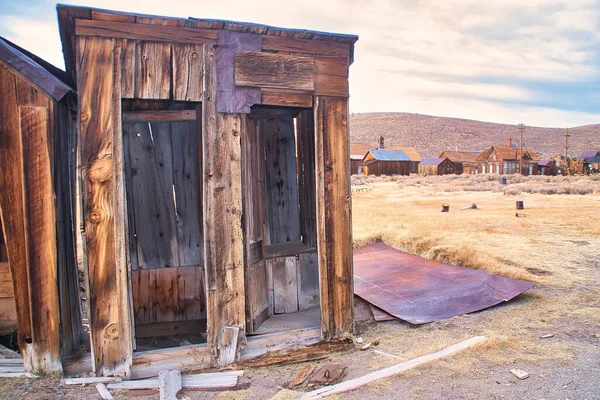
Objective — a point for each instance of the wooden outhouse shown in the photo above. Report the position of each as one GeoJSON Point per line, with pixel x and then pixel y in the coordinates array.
{"type": "Point", "coordinates": [216, 188]}
{"type": "Point", "coordinates": [37, 166]}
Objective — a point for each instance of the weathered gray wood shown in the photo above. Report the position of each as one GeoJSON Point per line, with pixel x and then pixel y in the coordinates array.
{"type": "Point", "coordinates": [88, 380]}
{"type": "Point", "coordinates": [280, 177]}
{"type": "Point", "coordinates": [103, 391]}
{"type": "Point", "coordinates": [151, 166]}
{"type": "Point", "coordinates": [305, 46]}
{"type": "Point", "coordinates": [169, 384]}
{"type": "Point", "coordinates": [308, 281]}
{"type": "Point", "coordinates": [187, 72]}
{"type": "Point", "coordinates": [232, 99]}
{"type": "Point", "coordinates": [257, 299]}
{"type": "Point", "coordinates": [222, 201]}
{"type": "Point", "coordinates": [128, 68]}
{"type": "Point", "coordinates": [270, 70]}
{"type": "Point", "coordinates": [306, 177]}
{"type": "Point", "coordinates": [208, 380]}
{"type": "Point", "coordinates": [153, 70]}
{"type": "Point", "coordinates": [186, 185]}
{"type": "Point", "coordinates": [162, 115]}
{"type": "Point", "coordinates": [285, 284]}
{"type": "Point", "coordinates": [228, 350]}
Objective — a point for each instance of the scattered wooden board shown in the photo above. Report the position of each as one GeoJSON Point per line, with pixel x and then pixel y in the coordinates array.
{"type": "Point", "coordinates": [395, 369]}
{"type": "Point", "coordinates": [303, 374]}
{"type": "Point", "coordinates": [327, 375]}
{"type": "Point", "coordinates": [207, 380]}
{"type": "Point", "coordinates": [103, 391]}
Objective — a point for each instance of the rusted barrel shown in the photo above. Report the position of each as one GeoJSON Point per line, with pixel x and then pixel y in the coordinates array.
{"type": "Point", "coordinates": [445, 208]}
{"type": "Point", "coordinates": [520, 205]}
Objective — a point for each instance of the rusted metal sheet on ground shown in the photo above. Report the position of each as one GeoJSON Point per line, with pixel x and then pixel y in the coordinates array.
{"type": "Point", "coordinates": [420, 291]}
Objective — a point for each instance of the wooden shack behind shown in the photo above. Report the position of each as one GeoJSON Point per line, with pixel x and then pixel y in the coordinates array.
{"type": "Point", "coordinates": [37, 163]}
{"type": "Point", "coordinates": [436, 166]}
{"type": "Point", "coordinates": [386, 162]}
{"type": "Point", "coordinates": [464, 161]}
{"type": "Point", "coordinates": [215, 166]}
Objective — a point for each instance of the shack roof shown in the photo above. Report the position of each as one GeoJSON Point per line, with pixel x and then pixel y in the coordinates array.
{"type": "Point", "coordinates": [461, 156]}
{"type": "Point", "coordinates": [545, 163]}
{"type": "Point", "coordinates": [411, 152]}
{"type": "Point", "coordinates": [160, 28]}
{"type": "Point", "coordinates": [41, 73]}
{"type": "Point", "coordinates": [590, 154]}
{"type": "Point", "coordinates": [432, 161]}
{"type": "Point", "coordinates": [386, 155]}
{"type": "Point", "coordinates": [360, 149]}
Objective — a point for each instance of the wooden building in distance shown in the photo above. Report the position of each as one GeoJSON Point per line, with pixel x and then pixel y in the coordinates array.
{"type": "Point", "coordinates": [436, 166]}
{"type": "Point", "coordinates": [215, 166]}
{"type": "Point", "coordinates": [506, 160]}
{"type": "Point", "coordinates": [37, 167]}
{"type": "Point", "coordinates": [465, 162]}
{"type": "Point", "coordinates": [386, 162]}
{"type": "Point", "coordinates": [547, 167]}
{"type": "Point", "coordinates": [357, 153]}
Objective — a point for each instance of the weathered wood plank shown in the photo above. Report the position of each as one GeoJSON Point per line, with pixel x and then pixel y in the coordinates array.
{"type": "Point", "coordinates": [109, 314]}
{"type": "Point", "coordinates": [187, 196]}
{"type": "Point", "coordinates": [222, 200]}
{"type": "Point", "coordinates": [229, 350]}
{"type": "Point", "coordinates": [275, 97]}
{"type": "Point", "coordinates": [331, 85]}
{"type": "Point", "coordinates": [29, 95]}
{"type": "Point", "coordinates": [257, 307]}
{"type": "Point", "coordinates": [12, 205]}
{"type": "Point", "coordinates": [314, 47]}
{"type": "Point", "coordinates": [159, 329]}
{"type": "Point", "coordinates": [185, 358]}
{"type": "Point", "coordinates": [280, 177]}
{"type": "Point", "coordinates": [168, 294]}
{"type": "Point", "coordinates": [159, 33]}
{"type": "Point", "coordinates": [40, 232]}
{"type": "Point", "coordinates": [308, 281]}
{"type": "Point", "coordinates": [270, 70]}
{"type": "Point", "coordinates": [187, 72]}
{"type": "Point", "coordinates": [99, 15]}
{"type": "Point", "coordinates": [285, 284]}
{"type": "Point", "coordinates": [162, 116]}
{"type": "Point", "coordinates": [306, 177]}
{"type": "Point", "coordinates": [151, 171]}
{"type": "Point", "coordinates": [334, 215]}
{"type": "Point", "coordinates": [8, 316]}
{"type": "Point", "coordinates": [336, 66]}
{"type": "Point", "coordinates": [153, 70]}
{"type": "Point", "coordinates": [128, 68]}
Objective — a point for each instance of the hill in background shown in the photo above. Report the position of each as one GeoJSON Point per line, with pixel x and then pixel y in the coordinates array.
{"type": "Point", "coordinates": [432, 135]}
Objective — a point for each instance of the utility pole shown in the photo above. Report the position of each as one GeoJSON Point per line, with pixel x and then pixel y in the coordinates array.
{"type": "Point", "coordinates": [521, 127]}
{"type": "Point", "coordinates": [567, 151]}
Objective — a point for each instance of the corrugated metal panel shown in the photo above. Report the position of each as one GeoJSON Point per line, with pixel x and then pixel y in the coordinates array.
{"type": "Point", "coordinates": [388, 155]}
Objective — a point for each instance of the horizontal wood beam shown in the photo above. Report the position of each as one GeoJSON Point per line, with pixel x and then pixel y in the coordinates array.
{"type": "Point", "coordinates": [313, 47]}
{"type": "Point", "coordinates": [277, 97]}
{"type": "Point", "coordinates": [271, 70]}
{"type": "Point", "coordinates": [159, 33]}
{"type": "Point", "coordinates": [162, 116]}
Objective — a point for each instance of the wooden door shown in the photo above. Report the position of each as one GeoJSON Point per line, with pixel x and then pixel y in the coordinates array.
{"type": "Point", "coordinates": [164, 215]}
{"type": "Point", "coordinates": [259, 302]}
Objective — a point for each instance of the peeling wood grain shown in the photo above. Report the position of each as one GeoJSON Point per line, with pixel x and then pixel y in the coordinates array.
{"type": "Point", "coordinates": [187, 72]}
{"type": "Point", "coordinates": [268, 70]}
{"type": "Point", "coordinates": [153, 70]}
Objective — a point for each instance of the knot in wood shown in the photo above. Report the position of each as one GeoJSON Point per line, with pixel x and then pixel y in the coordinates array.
{"type": "Point", "coordinates": [344, 122]}
{"type": "Point", "coordinates": [228, 297]}
{"type": "Point", "coordinates": [112, 330]}
{"type": "Point", "coordinates": [101, 170]}
{"type": "Point", "coordinates": [96, 216]}
{"type": "Point", "coordinates": [84, 116]}
{"type": "Point", "coordinates": [194, 55]}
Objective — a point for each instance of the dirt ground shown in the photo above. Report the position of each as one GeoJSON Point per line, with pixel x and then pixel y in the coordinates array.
{"type": "Point", "coordinates": [555, 242]}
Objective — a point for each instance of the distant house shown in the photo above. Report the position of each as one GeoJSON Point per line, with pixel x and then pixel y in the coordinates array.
{"type": "Point", "coordinates": [436, 166]}
{"type": "Point", "coordinates": [547, 167]}
{"type": "Point", "coordinates": [505, 160]}
{"type": "Point", "coordinates": [357, 153]}
{"type": "Point", "coordinates": [592, 160]}
{"type": "Point", "coordinates": [411, 152]}
{"type": "Point", "coordinates": [386, 162]}
{"type": "Point", "coordinates": [464, 161]}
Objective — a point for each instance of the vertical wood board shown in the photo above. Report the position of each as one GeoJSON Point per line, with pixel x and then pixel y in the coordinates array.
{"type": "Point", "coordinates": [308, 281]}
{"type": "Point", "coordinates": [285, 284]}
{"type": "Point", "coordinates": [153, 70]}
{"type": "Point", "coordinates": [187, 72]}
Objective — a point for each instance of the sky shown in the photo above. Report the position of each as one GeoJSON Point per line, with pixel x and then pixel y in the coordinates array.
{"type": "Point", "coordinates": [535, 62]}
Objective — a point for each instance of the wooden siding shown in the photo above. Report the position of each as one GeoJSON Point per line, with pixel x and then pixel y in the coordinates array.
{"type": "Point", "coordinates": [387, 168]}
{"type": "Point", "coordinates": [333, 215]}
